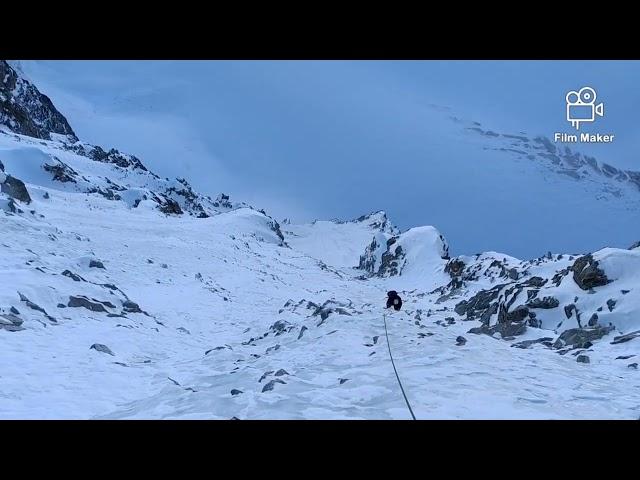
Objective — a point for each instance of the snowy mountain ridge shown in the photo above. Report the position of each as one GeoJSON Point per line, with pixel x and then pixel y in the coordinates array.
{"type": "Point", "coordinates": [563, 160]}
{"type": "Point", "coordinates": [124, 295]}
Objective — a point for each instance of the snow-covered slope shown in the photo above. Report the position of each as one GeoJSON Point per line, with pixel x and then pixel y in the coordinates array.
{"type": "Point", "coordinates": [336, 242]}
{"type": "Point", "coordinates": [124, 295]}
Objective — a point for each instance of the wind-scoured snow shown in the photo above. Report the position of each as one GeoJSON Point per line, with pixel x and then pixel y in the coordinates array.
{"type": "Point", "coordinates": [124, 295]}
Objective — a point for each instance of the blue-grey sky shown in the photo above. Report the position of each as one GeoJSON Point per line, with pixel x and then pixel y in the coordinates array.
{"type": "Point", "coordinates": [325, 139]}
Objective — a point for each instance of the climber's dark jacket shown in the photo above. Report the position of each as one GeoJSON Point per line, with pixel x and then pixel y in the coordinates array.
{"type": "Point", "coordinates": [394, 300]}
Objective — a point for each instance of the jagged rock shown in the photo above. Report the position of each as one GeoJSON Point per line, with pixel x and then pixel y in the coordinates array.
{"type": "Point", "coordinates": [113, 156]}
{"type": "Point", "coordinates": [575, 337]}
{"type": "Point", "coordinates": [511, 329]}
{"type": "Point", "coordinates": [327, 308]}
{"type": "Point", "coordinates": [505, 330]}
{"type": "Point", "coordinates": [568, 310]}
{"type": "Point", "coordinates": [454, 268]}
{"type": "Point", "coordinates": [512, 274]}
{"type": "Point", "coordinates": [107, 193]}
{"type": "Point", "coordinates": [275, 227]}
{"type": "Point", "coordinates": [269, 386]}
{"type": "Point", "coordinates": [281, 372]}
{"type": "Point", "coordinates": [10, 319]}
{"type": "Point", "coordinates": [46, 196]}
{"type": "Point", "coordinates": [36, 307]}
{"type": "Point", "coordinates": [583, 359]}
{"type": "Point", "coordinates": [518, 314]}
{"type": "Point", "coordinates": [461, 307]}
{"type": "Point", "coordinates": [222, 201]}
{"type": "Point", "coordinates": [527, 343]}
{"type": "Point", "coordinates": [486, 315]}
{"type": "Point", "coordinates": [611, 304]}
{"type": "Point", "coordinates": [96, 264]}
{"type": "Point", "coordinates": [533, 321]}
{"type": "Point", "coordinates": [101, 348]}
{"type": "Point", "coordinates": [26, 111]}
{"type": "Point", "coordinates": [273, 348]}
{"type": "Point", "coordinates": [635, 245]}
{"type": "Point", "coordinates": [280, 327]}
{"type": "Point", "coordinates": [302, 330]}
{"type": "Point", "coordinates": [11, 327]}
{"type": "Point", "coordinates": [10, 323]}
{"type": "Point", "coordinates": [73, 276]}
{"type": "Point", "coordinates": [61, 172]}
{"type": "Point", "coordinates": [235, 392]}
{"type": "Point", "coordinates": [460, 340]}
{"type": "Point", "coordinates": [131, 307]}
{"type": "Point", "coordinates": [546, 303]}
{"type": "Point", "coordinates": [587, 274]}
{"type": "Point", "coordinates": [633, 365]}
{"type": "Point", "coordinates": [593, 321]}
{"type": "Point", "coordinates": [389, 261]}
{"type": "Point", "coordinates": [557, 278]}
{"type": "Point", "coordinates": [212, 349]}
{"type": "Point", "coordinates": [477, 305]}
{"type": "Point", "coordinates": [14, 310]}
{"type": "Point", "coordinates": [625, 338]}
{"type": "Point", "coordinates": [84, 302]}
{"type": "Point", "coordinates": [16, 189]}
{"type": "Point", "coordinates": [482, 329]}
{"type": "Point", "coordinates": [170, 207]}
{"type": "Point", "coordinates": [535, 282]}
{"type": "Point", "coordinates": [624, 357]}
{"type": "Point", "coordinates": [343, 380]}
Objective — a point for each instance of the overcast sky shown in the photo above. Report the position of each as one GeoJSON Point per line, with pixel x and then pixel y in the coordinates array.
{"type": "Point", "coordinates": [327, 139]}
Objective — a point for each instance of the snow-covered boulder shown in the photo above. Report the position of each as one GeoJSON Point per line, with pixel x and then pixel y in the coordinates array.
{"type": "Point", "coordinates": [247, 222]}
{"type": "Point", "coordinates": [14, 188]}
{"type": "Point", "coordinates": [585, 297]}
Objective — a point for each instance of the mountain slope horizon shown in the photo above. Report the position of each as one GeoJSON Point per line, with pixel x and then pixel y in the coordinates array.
{"type": "Point", "coordinates": [405, 152]}
{"type": "Point", "coordinates": [124, 295]}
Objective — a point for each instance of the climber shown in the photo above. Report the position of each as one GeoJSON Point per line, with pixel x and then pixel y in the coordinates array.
{"type": "Point", "coordinates": [393, 299]}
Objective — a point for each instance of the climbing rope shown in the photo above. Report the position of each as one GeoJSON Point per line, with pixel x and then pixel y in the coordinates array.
{"type": "Point", "coordinates": [386, 333]}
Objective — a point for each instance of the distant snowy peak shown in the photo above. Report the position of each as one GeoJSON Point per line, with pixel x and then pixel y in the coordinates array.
{"type": "Point", "coordinates": [24, 110]}
{"type": "Point", "coordinates": [375, 221]}
{"type": "Point", "coordinates": [561, 160]}
{"type": "Point", "coordinates": [378, 221]}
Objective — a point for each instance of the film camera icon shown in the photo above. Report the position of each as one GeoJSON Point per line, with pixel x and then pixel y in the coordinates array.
{"type": "Point", "coordinates": [581, 106]}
